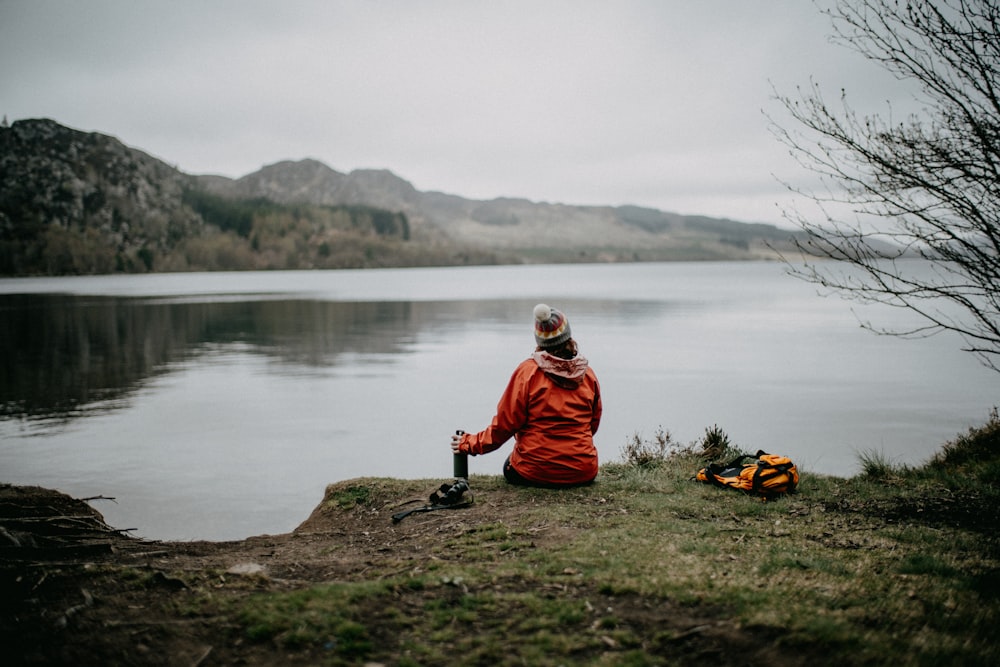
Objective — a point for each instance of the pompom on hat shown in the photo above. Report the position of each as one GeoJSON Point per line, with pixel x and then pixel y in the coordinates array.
{"type": "Point", "coordinates": [551, 327]}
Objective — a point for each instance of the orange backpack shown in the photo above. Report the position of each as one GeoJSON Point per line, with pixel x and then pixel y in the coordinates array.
{"type": "Point", "coordinates": [768, 476]}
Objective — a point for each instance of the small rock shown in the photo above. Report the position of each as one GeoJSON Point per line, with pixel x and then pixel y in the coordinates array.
{"type": "Point", "coordinates": [247, 568]}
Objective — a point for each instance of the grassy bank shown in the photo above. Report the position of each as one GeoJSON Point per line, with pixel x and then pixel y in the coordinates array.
{"type": "Point", "coordinates": [896, 566]}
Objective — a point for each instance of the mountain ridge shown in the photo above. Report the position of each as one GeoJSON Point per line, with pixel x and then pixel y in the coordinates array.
{"type": "Point", "coordinates": [556, 231]}
{"type": "Point", "coordinates": [85, 202]}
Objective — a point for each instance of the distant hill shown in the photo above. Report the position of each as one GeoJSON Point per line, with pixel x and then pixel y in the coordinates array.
{"type": "Point", "coordinates": [517, 228]}
{"type": "Point", "coordinates": [75, 202]}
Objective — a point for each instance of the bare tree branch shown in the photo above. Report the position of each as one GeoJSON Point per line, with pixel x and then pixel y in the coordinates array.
{"type": "Point", "coordinates": [922, 195]}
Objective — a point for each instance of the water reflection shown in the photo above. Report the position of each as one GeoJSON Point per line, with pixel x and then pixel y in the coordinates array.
{"type": "Point", "coordinates": [68, 355]}
{"type": "Point", "coordinates": [63, 353]}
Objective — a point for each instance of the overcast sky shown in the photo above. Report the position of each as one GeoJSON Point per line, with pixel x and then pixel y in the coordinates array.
{"type": "Point", "coordinates": [657, 103]}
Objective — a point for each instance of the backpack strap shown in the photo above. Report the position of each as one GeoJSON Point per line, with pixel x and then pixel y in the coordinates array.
{"type": "Point", "coordinates": [712, 471]}
{"type": "Point", "coordinates": [738, 461]}
{"type": "Point", "coordinates": [715, 472]}
{"type": "Point", "coordinates": [766, 471]}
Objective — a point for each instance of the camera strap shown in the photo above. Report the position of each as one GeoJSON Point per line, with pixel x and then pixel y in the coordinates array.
{"type": "Point", "coordinates": [447, 497]}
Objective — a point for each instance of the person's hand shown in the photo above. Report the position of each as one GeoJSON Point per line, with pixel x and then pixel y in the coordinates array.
{"type": "Point", "coordinates": [455, 440]}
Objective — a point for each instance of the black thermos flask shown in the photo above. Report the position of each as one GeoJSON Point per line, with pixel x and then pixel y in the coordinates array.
{"type": "Point", "coordinates": [461, 462]}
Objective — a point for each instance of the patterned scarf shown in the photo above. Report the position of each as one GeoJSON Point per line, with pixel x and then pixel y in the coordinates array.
{"type": "Point", "coordinates": [564, 372]}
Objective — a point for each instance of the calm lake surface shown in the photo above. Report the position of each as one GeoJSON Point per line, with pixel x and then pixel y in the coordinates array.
{"type": "Point", "coordinates": [219, 406]}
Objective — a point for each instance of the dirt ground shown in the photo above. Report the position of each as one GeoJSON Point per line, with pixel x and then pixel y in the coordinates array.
{"type": "Point", "coordinates": [76, 591]}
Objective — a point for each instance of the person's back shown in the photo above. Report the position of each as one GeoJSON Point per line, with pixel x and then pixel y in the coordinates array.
{"type": "Point", "coordinates": [551, 407]}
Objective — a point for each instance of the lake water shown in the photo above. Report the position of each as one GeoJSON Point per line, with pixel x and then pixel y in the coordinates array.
{"type": "Point", "coordinates": [219, 406]}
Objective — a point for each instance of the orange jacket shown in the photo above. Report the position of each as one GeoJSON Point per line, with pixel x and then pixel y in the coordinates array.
{"type": "Point", "coordinates": [552, 425]}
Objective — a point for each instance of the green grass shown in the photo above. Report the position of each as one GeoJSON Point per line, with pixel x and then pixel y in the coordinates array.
{"type": "Point", "coordinates": [893, 567]}
{"type": "Point", "coordinates": [351, 495]}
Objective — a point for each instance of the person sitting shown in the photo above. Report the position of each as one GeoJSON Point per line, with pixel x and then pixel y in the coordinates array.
{"type": "Point", "coordinates": [551, 407]}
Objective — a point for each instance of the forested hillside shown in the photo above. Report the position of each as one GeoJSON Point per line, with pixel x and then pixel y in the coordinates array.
{"type": "Point", "coordinates": [74, 202]}
{"type": "Point", "coordinates": [84, 203]}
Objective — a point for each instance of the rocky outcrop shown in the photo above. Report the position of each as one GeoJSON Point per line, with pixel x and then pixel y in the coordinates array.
{"type": "Point", "coordinates": [98, 205]}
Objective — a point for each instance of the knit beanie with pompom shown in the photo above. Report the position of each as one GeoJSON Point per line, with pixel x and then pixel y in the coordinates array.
{"type": "Point", "coordinates": [551, 327]}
